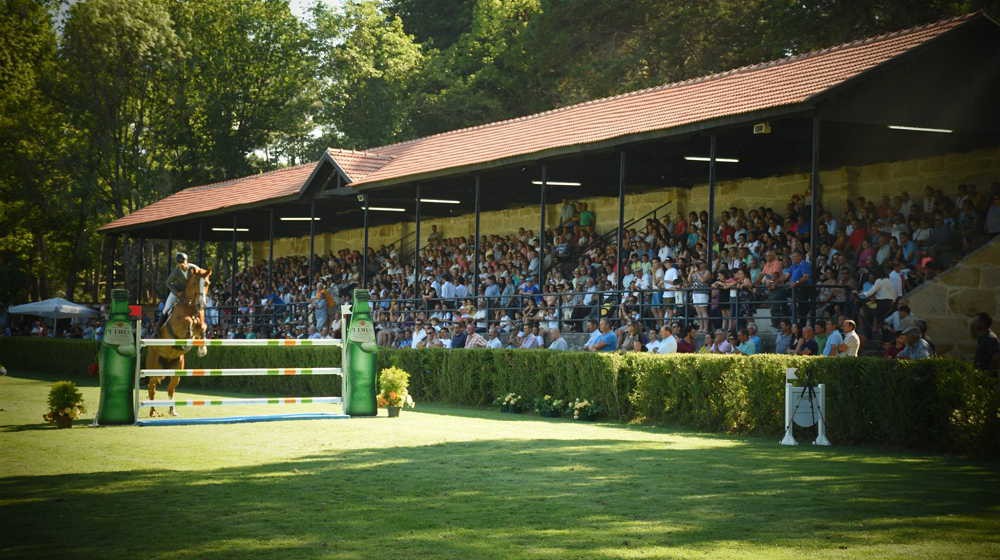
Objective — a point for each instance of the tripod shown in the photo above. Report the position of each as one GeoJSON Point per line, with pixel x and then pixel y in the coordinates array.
{"type": "Point", "coordinates": [816, 395]}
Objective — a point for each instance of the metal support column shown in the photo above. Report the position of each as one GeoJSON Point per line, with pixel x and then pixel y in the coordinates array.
{"type": "Point", "coordinates": [475, 258]}
{"type": "Point", "coordinates": [232, 272]}
{"type": "Point", "coordinates": [109, 272]}
{"type": "Point", "coordinates": [201, 243]}
{"type": "Point", "coordinates": [312, 244]}
{"type": "Point", "coordinates": [416, 251]}
{"type": "Point", "coordinates": [142, 265]}
{"type": "Point", "coordinates": [270, 251]}
{"type": "Point", "coordinates": [364, 253]}
{"type": "Point", "coordinates": [619, 274]}
{"type": "Point", "coordinates": [814, 193]}
{"type": "Point", "coordinates": [710, 228]}
{"type": "Point", "coordinates": [541, 229]}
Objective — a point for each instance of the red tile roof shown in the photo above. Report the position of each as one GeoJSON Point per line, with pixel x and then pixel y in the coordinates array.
{"type": "Point", "coordinates": [273, 185]}
{"type": "Point", "coordinates": [358, 165]}
{"type": "Point", "coordinates": [786, 82]}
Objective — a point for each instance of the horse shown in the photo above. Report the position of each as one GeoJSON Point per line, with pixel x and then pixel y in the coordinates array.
{"type": "Point", "coordinates": [186, 321]}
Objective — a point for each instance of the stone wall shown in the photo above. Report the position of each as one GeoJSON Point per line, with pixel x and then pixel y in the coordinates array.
{"type": "Point", "coordinates": [949, 301]}
{"type": "Point", "coordinates": [872, 181]}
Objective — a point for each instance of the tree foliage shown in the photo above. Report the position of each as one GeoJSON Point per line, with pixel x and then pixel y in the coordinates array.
{"type": "Point", "coordinates": [108, 105]}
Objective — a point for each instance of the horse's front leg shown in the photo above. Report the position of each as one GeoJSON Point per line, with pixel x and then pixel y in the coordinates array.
{"type": "Point", "coordinates": [151, 391]}
{"type": "Point", "coordinates": [201, 331]}
{"type": "Point", "coordinates": [172, 386]}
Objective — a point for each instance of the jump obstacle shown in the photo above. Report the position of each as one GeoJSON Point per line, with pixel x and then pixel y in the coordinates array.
{"type": "Point", "coordinates": [121, 366]}
{"type": "Point", "coordinates": [232, 372]}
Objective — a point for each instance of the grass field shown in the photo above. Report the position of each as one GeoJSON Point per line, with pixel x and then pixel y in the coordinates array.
{"type": "Point", "coordinates": [446, 482]}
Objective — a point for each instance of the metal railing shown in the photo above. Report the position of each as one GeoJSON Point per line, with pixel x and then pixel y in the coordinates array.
{"type": "Point", "coordinates": [705, 309]}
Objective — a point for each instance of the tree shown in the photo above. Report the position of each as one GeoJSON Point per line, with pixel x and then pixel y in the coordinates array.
{"type": "Point", "coordinates": [32, 148]}
{"type": "Point", "coordinates": [367, 64]}
{"type": "Point", "coordinates": [245, 84]}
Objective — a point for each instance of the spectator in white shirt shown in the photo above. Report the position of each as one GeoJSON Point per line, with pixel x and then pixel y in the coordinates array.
{"type": "Point", "coordinates": [558, 342]}
{"type": "Point", "coordinates": [494, 340]}
{"type": "Point", "coordinates": [668, 342]}
{"type": "Point", "coordinates": [852, 342]}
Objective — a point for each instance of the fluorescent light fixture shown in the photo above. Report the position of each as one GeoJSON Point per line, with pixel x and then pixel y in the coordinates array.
{"type": "Point", "coordinates": [921, 129]}
{"type": "Point", "coordinates": [440, 201]}
{"type": "Point", "coordinates": [297, 219]}
{"type": "Point", "coordinates": [385, 209]}
{"type": "Point", "coordinates": [558, 183]}
{"type": "Point", "coordinates": [718, 159]}
{"type": "Point", "coordinates": [230, 229]}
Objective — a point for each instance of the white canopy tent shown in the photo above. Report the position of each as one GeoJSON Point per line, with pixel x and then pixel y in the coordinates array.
{"type": "Point", "coordinates": [54, 308]}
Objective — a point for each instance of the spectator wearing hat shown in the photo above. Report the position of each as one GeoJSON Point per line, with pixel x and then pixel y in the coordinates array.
{"type": "Point", "coordinates": [720, 345]}
{"type": "Point", "coordinates": [916, 347]}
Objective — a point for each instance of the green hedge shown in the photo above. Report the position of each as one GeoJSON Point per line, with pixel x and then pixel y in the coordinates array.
{"type": "Point", "coordinates": [266, 356]}
{"type": "Point", "coordinates": [939, 404]}
{"type": "Point", "coordinates": [47, 355]}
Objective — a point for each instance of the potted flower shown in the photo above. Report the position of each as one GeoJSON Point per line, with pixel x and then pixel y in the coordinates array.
{"type": "Point", "coordinates": [393, 394]}
{"type": "Point", "coordinates": [582, 409]}
{"type": "Point", "coordinates": [511, 402]}
{"type": "Point", "coordinates": [65, 404]}
{"type": "Point", "coordinates": [549, 407]}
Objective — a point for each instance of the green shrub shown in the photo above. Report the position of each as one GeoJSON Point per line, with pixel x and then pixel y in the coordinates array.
{"type": "Point", "coordinates": [265, 357]}
{"type": "Point", "coordinates": [48, 355]}
{"type": "Point", "coordinates": [940, 404]}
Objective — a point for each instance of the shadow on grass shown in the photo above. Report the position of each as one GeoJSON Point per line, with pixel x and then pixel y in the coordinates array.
{"type": "Point", "coordinates": [503, 499]}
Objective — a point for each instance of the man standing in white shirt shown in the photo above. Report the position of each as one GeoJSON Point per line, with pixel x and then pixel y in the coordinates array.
{"type": "Point", "coordinates": [448, 291]}
{"type": "Point", "coordinates": [851, 345]}
{"type": "Point", "coordinates": [668, 343]}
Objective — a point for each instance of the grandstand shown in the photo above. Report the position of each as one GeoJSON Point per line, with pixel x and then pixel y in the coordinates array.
{"type": "Point", "coordinates": [874, 158]}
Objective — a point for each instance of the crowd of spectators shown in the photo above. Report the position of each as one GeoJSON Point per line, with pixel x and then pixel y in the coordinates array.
{"type": "Point", "coordinates": [867, 258]}
{"type": "Point", "coordinates": [674, 298]}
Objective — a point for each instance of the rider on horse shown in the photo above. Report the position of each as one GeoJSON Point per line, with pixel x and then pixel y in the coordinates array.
{"type": "Point", "coordinates": [176, 282]}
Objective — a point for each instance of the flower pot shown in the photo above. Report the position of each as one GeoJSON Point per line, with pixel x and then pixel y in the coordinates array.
{"type": "Point", "coordinates": [64, 421]}
{"type": "Point", "coordinates": [394, 411]}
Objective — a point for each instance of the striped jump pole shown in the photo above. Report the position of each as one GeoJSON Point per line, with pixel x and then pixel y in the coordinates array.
{"type": "Point", "coordinates": [237, 372]}
{"type": "Point", "coordinates": [213, 342]}
{"type": "Point", "coordinates": [233, 372]}
{"type": "Point", "coordinates": [246, 401]}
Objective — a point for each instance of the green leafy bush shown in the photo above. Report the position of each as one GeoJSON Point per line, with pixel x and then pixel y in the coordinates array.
{"type": "Point", "coordinates": [65, 404]}
{"type": "Point", "coordinates": [940, 404]}
{"type": "Point", "coordinates": [48, 355]}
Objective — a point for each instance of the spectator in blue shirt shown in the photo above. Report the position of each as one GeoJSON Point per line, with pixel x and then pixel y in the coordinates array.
{"type": "Point", "coordinates": [801, 281]}
{"type": "Point", "coordinates": [746, 346]}
{"type": "Point", "coordinates": [833, 341]}
{"type": "Point", "coordinates": [607, 341]}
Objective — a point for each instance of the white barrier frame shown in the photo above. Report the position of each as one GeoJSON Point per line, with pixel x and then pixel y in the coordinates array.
{"type": "Point", "coordinates": [141, 343]}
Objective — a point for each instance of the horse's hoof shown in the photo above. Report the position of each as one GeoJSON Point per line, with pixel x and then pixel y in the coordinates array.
{"type": "Point", "coordinates": [153, 413]}
{"type": "Point", "coordinates": [202, 352]}
{"type": "Point", "coordinates": [173, 412]}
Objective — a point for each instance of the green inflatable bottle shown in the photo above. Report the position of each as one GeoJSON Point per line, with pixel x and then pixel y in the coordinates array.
{"type": "Point", "coordinates": [116, 363]}
{"type": "Point", "coordinates": [359, 356]}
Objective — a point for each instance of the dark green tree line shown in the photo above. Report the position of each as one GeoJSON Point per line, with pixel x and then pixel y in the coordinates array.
{"type": "Point", "coordinates": [108, 105]}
